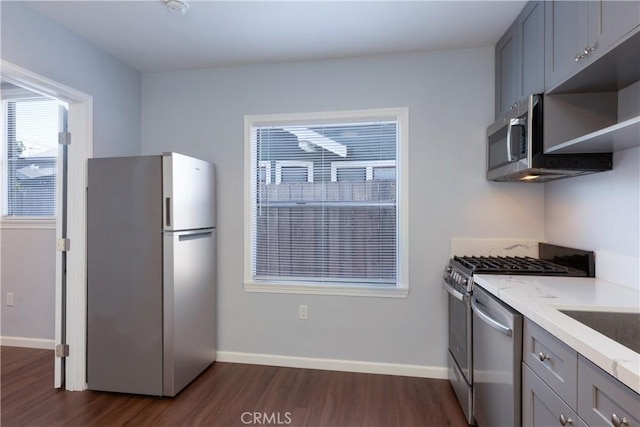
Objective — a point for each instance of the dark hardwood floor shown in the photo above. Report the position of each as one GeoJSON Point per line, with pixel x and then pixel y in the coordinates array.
{"type": "Point", "coordinates": [228, 394]}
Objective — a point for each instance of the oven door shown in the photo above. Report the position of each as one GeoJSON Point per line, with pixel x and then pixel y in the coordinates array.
{"type": "Point", "coordinates": [460, 332]}
{"type": "Point", "coordinates": [460, 348]}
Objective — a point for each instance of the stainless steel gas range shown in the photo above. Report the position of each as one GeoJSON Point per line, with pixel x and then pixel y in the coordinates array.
{"type": "Point", "coordinates": [458, 281]}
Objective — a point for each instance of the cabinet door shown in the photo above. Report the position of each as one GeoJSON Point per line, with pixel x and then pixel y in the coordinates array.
{"type": "Point", "coordinates": [507, 71]}
{"type": "Point", "coordinates": [551, 360]}
{"type": "Point", "coordinates": [565, 37]}
{"type": "Point", "coordinates": [541, 407]}
{"type": "Point", "coordinates": [531, 74]}
{"type": "Point", "coordinates": [609, 21]}
{"type": "Point", "coordinates": [603, 400]}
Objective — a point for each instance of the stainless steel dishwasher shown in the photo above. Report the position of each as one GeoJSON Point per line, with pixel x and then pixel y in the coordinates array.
{"type": "Point", "coordinates": [497, 361]}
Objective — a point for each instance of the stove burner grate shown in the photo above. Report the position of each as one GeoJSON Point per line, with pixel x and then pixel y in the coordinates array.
{"type": "Point", "coordinates": [511, 265]}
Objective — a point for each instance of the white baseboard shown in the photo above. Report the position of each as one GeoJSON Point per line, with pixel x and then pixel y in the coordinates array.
{"type": "Point", "coordinates": [41, 343]}
{"type": "Point", "coordinates": [334, 365]}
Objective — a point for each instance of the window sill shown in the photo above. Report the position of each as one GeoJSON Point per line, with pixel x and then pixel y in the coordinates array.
{"type": "Point", "coordinates": [340, 290]}
{"type": "Point", "coordinates": [7, 223]}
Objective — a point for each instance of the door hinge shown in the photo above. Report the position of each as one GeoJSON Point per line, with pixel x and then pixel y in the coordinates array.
{"type": "Point", "coordinates": [64, 138]}
{"type": "Point", "coordinates": [63, 245]}
{"type": "Point", "coordinates": [62, 350]}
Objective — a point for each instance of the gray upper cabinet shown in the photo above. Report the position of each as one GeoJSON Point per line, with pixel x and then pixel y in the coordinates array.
{"type": "Point", "coordinates": [520, 58]}
{"type": "Point", "coordinates": [531, 25]}
{"type": "Point", "coordinates": [507, 71]}
{"type": "Point", "coordinates": [579, 32]}
{"type": "Point", "coordinates": [610, 21]}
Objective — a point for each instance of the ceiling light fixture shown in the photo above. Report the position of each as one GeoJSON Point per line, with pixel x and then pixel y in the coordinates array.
{"type": "Point", "coordinates": [177, 7]}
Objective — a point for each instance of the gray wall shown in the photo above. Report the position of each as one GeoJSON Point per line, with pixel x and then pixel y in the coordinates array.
{"type": "Point", "coordinates": [28, 271]}
{"type": "Point", "coordinates": [601, 211]}
{"type": "Point", "coordinates": [34, 42]}
{"type": "Point", "coordinates": [598, 212]}
{"type": "Point", "coordinates": [449, 94]}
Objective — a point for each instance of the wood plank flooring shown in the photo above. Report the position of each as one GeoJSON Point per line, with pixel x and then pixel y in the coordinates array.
{"type": "Point", "coordinates": [228, 394]}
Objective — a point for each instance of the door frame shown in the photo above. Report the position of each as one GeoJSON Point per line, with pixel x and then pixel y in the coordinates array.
{"type": "Point", "coordinates": [80, 125]}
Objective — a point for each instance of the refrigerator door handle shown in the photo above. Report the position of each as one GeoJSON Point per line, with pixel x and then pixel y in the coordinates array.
{"type": "Point", "coordinates": [167, 202]}
{"type": "Point", "coordinates": [205, 234]}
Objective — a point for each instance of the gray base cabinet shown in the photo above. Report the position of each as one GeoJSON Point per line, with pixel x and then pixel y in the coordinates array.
{"type": "Point", "coordinates": [603, 400]}
{"type": "Point", "coordinates": [552, 360]}
{"type": "Point", "coordinates": [541, 406]}
{"type": "Point", "coordinates": [561, 387]}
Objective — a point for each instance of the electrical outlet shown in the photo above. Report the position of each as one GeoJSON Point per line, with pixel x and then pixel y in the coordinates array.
{"type": "Point", "coordinates": [303, 312]}
{"type": "Point", "coordinates": [10, 299]}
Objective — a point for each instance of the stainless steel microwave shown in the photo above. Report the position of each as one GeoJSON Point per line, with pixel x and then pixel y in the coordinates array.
{"type": "Point", "coordinates": [515, 148]}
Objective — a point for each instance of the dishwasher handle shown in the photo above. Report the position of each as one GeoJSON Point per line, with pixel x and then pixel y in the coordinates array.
{"type": "Point", "coordinates": [490, 320]}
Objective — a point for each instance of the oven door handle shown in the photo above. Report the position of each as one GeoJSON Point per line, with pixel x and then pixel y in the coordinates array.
{"type": "Point", "coordinates": [456, 294]}
{"type": "Point", "coordinates": [490, 320]}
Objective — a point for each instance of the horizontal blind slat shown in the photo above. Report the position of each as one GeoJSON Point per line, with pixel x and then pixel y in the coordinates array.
{"type": "Point", "coordinates": [325, 203]}
{"type": "Point", "coordinates": [31, 157]}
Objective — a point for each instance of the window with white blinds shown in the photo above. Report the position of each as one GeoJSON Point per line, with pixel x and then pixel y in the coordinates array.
{"type": "Point", "coordinates": [30, 144]}
{"type": "Point", "coordinates": [329, 215]}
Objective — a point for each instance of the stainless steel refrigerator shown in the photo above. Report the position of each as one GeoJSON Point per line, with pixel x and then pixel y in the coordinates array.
{"type": "Point", "coordinates": [151, 256]}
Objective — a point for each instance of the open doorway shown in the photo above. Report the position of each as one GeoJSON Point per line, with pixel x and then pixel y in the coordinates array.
{"type": "Point", "coordinates": [29, 178]}
{"type": "Point", "coordinates": [70, 304]}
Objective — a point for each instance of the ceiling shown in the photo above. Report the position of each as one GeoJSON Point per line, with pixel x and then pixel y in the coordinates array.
{"type": "Point", "coordinates": [146, 36]}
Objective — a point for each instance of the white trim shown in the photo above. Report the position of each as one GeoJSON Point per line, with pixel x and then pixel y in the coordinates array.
{"type": "Point", "coordinates": [401, 115]}
{"type": "Point", "coordinates": [80, 125]}
{"type": "Point", "coordinates": [81, 128]}
{"type": "Point", "coordinates": [337, 289]}
{"type": "Point", "coordinates": [420, 371]}
{"type": "Point", "coordinates": [27, 224]}
{"type": "Point", "coordinates": [24, 342]}
{"type": "Point", "coordinates": [293, 164]}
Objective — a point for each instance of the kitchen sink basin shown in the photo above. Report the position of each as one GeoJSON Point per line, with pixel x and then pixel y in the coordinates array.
{"type": "Point", "coordinates": [623, 328]}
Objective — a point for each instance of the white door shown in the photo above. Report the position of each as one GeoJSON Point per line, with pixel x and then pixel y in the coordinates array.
{"type": "Point", "coordinates": [61, 254]}
{"type": "Point", "coordinates": [72, 304]}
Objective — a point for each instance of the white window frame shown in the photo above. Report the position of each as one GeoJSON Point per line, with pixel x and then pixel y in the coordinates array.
{"type": "Point", "coordinates": [369, 166]}
{"type": "Point", "coordinates": [401, 290]}
{"type": "Point", "coordinates": [293, 164]}
{"type": "Point", "coordinates": [23, 222]}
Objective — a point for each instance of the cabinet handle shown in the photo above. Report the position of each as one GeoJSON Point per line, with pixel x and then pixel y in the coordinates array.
{"type": "Point", "coordinates": [543, 357]}
{"type": "Point", "coordinates": [579, 57]}
{"type": "Point", "coordinates": [588, 50]}
{"type": "Point", "coordinates": [564, 420]}
{"type": "Point", "coordinates": [617, 422]}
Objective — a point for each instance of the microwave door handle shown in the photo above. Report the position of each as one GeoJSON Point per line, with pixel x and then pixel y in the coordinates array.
{"type": "Point", "coordinates": [513, 122]}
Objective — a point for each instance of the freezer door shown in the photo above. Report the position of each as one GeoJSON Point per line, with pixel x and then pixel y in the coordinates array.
{"type": "Point", "coordinates": [188, 193]}
{"type": "Point", "coordinates": [189, 306]}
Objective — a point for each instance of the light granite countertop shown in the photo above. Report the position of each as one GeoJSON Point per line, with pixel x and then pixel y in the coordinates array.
{"type": "Point", "coordinates": [540, 298]}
